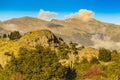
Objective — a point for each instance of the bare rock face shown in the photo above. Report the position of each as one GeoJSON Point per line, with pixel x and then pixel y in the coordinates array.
{"type": "Point", "coordinates": [44, 37]}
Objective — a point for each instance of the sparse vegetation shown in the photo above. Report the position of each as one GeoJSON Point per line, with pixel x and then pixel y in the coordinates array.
{"type": "Point", "coordinates": [58, 62]}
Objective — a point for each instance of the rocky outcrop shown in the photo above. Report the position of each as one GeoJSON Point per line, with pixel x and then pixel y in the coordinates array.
{"type": "Point", "coordinates": [44, 37]}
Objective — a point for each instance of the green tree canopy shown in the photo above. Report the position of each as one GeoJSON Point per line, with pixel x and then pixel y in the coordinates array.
{"type": "Point", "coordinates": [39, 64]}
{"type": "Point", "coordinates": [104, 55]}
{"type": "Point", "coordinates": [14, 35]}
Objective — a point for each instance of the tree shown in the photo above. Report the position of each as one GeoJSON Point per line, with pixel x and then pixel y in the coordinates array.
{"type": "Point", "coordinates": [71, 74]}
{"type": "Point", "coordinates": [84, 60]}
{"type": "Point", "coordinates": [115, 56]}
{"type": "Point", "coordinates": [14, 35]}
{"type": "Point", "coordinates": [94, 60]}
{"type": "Point", "coordinates": [4, 36]}
{"type": "Point", "coordinates": [63, 51]}
{"type": "Point", "coordinates": [73, 47]}
{"type": "Point", "coordinates": [104, 55]}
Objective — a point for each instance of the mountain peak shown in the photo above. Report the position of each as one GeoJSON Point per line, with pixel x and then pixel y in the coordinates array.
{"type": "Point", "coordinates": [44, 37]}
{"type": "Point", "coordinates": [72, 29]}
{"type": "Point", "coordinates": [26, 18]}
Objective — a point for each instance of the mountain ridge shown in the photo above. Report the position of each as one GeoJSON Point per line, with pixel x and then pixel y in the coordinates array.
{"type": "Point", "coordinates": [83, 33]}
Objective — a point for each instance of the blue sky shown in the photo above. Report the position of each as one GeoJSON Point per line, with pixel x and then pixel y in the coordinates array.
{"type": "Point", "coordinates": [105, 10]}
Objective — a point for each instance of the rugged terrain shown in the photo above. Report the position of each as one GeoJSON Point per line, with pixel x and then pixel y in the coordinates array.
{"type": "Point", "coordinates": [91, 33]}
{"type": "Point", "coordinates": [29, 40]}
{"type": "Point", "coordinates": [41, 55]}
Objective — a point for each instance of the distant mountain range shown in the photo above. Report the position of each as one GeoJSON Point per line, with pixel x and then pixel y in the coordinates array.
{"type": "Point", "coordinates": [92, 33]}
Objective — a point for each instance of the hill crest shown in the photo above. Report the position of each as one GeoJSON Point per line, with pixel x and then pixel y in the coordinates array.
{"type": "Point", "coordinates": [83, 33]}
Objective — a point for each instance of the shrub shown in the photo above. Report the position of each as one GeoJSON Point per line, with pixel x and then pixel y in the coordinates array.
{"type": "Point", "coordinates": [71, 74]}
{"type": "Point", "coordinates": [113, 70]}
{"type": "Point", "coordinates": [63, 51]}
{"type": "Point", "coordinates": [115, 56]}
{"type": "Point", "coordinates": [93, 71]}
{"type": "Point", "coordinates": [94, 60]}
{"type": "Point", "coordinates": [84, 60]}
{"type": "Point", "coordinates": [104, 55]}
{"type": "Point", "coordinates": [4, 36]}
{"type": "Point", "coordinates": [14, 35]}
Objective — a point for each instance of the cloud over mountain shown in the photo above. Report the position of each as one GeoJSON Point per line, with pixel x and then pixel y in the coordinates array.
{"type": "Point", "coordinates": [83, 14]}
{"type": "Point", "coordinates": [46, 14]}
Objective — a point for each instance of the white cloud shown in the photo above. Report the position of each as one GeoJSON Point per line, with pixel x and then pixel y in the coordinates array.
{"type": "Point", "coordinates": [83, 14]}
{"type": "Point", "coordinates": [108, 44]}
{"type": "Point", "coordinates": [46, 14]}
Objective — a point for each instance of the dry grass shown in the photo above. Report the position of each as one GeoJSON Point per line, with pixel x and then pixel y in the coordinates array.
{"type": "Point", "coordinates": [88, 53]}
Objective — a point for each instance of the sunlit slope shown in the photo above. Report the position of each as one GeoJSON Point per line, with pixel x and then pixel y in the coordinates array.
{"type": "Point", "coordinates": [75, 30]}
{"type": "Point", "coordinates": [28, 40]}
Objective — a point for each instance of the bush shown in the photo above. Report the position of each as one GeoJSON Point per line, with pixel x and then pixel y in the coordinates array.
{"type": "Point", "coordinates": [113, 70]}
{"type": "Point", "coordinates": [63, 51]}
{"type": "Point", "coordinates": [4, 36]}
{"type": "Point", "coordinates": [93, 71]}
{"type": "Point", "coordinates": [14, 35]}
{"type": "Point", "coordinates": [84, 60]}
{"type": "Point", "coordinates": [104, 55]}
{"type": "Point", "coordinates": [94, 60]}
{"type": "Point", "coordinates": [71, 74]}
{"type": "Point", "coordinates": [115, 56]}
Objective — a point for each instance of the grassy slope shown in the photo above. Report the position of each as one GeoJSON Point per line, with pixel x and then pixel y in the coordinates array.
{"type": "Point", "coordinates": [7, 46]}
